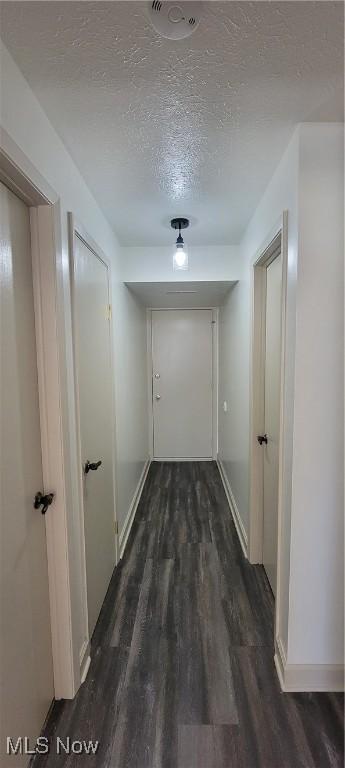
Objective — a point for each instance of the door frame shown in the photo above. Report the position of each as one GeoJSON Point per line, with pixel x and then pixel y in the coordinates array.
{"type": "Point", "coordinates": [22, 177]}
{"type": "Point", "coordinates": [77, 231]}
{"type": "Point", "coordinates": [276, 242]}
{"type": "Point", "coordinates": [215, 326]}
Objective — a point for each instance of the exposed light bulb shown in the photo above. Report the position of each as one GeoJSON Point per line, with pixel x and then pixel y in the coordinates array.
{"type": "Point", "coordinates": [180, 257]}
{"type": "Point", "coordinates": [180, 260]}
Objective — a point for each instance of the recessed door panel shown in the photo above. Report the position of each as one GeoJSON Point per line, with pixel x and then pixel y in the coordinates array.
{"type": "Point", "coordinates": [182, 383]}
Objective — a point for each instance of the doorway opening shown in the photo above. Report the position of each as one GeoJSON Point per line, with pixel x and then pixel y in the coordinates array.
{"type": "Point", "coordinates": [94, 385]}
{"type": "Point", "coordinates": [266, 430]}
{"type": "Point", "coordinates": [182, 384]}
{"type": "Point", "coordinates": [182, 366]}
{"type": "Point", "coordinates": [37, 652]}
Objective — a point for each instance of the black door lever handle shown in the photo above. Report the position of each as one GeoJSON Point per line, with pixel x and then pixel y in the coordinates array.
{"type": "Point", "coordinates": [93, 465]}
{"type": "Point", "coordinates": [262, 439]}
{"type": "Point", "coordinates": [43, 501]}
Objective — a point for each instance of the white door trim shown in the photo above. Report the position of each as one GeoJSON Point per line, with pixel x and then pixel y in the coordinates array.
{"type": "Point", "coordinates": [277, 240]}
{"type": "Point", "coordinates": [307, 677]}
{"type": "Point", "coordinates": [18, 173]}
{"type": "Point", "coordinates": [215, 364]}
{"type": "Point", "coordinates": [76, 230]}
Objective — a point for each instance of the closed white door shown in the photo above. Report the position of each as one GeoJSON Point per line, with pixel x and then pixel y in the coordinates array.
{"type": "Point", "coordinates": [94, 382]}
{"type": "Point", "coordinates": [182, 383]}
{"type": "Point", "coordinates": [272, 416]}
{"type": "Point", "coordinates": [26, 669]}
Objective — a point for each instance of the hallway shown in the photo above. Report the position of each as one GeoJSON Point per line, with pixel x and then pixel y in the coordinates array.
{"type": "Point", "coordinates": [182, 672]}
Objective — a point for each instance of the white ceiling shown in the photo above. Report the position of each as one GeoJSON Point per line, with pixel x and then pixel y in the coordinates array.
{"type": "Point", "coordinates": [161, 128]}
{"type": "Point", "coordinates": [184, 294]}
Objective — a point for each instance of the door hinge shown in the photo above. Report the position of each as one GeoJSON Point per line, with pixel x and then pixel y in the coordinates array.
{"type": "Point", "coordinates": [116, 528]}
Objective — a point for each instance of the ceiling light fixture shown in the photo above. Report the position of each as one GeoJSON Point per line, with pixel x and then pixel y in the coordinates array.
{"type": "Point", "coordinates": [180, 258]}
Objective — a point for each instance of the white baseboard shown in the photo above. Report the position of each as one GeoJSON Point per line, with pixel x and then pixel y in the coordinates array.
{"type": "Point", "coordinates": [85, 669]}
{"type": "Point", "coordinates": [123, 537]}
{"type": "Point", "coordinates": [300, 678]}
{"type": "Point", "coordinates": [181, 458]}
{"type": "Point", "coordinates": [85, 660]}
{"type": "Point", "coordinates": [241, 532]}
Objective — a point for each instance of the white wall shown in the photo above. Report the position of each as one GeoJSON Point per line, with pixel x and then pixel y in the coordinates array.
{"type": "Point", "coordinates": [234, 446]}
{"type": "Point", "coordinates": [233, 425]}
{"type": "Point", "coordinates": [316, 617]}
{"type": "Point", "coordinates": [132, 436]}
{"type": "Point", "coordinates": [207, 262]}
{"type": "Point", "coordinates": [28, 126]}
{"type": "Point", "coordinates": [308, 184]}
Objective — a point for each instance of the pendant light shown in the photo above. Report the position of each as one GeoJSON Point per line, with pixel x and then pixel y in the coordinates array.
{"type": "Point", "coordinates": [180, 257]}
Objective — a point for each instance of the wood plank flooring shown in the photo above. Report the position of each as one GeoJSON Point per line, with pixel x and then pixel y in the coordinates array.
{"type": "Point", "coordinates": [182, 672]}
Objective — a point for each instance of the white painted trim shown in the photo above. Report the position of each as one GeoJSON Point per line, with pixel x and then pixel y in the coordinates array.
{"type": "Point", "coordinates": [241, 531]}
{"type": "Point", "coordinates": [281, 479]}
{"type": "Point", "coordinates": [83, 653]}
{"type": "Point", "coordinates": [277, 239]}
{"type": "Point", "coordinates": [215, 382]}
{"type": "Point", "coordinates": [77, 230]}
{"type": "Point", "coordinates": [149, 380]}
{"type": "Point", "coordinates": [85, 668]}
{"type": "Point", "coordinates": [307, 677]}
{"type": "Point", "coordinates": [123, 537]}
{"type": "Point", "coordinates": [45, 223]}
{"type": "Point", "coordinates": [44, 281]}
{"type": "Point", "coordinates": [21, 176]}
{"type": "Point", "coordinates": [280, 649]}
{"type": "Point", "coordinates": [177, 309]}
{"type": "Point", "coordinates": [182, 458]}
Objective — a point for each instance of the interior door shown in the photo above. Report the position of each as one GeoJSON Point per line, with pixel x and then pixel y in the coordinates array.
{"type": "Point", "coordinates": [272, 416]}
{"type": "Point", "coordinates": [26, 668]}
{"type": "Point", "coordinates": [182, 383]}
{"type": "Point", "coordinates": [94, 381]}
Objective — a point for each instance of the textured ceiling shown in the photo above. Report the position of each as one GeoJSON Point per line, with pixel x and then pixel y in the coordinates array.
{"type": "Point", "coordinates": [161, 128]}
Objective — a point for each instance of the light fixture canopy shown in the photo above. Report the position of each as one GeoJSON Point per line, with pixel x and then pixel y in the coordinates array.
{"type": "Point", "coordinates": [180, 258]}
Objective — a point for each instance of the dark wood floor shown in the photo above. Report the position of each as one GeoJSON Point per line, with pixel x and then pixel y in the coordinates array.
{"type": "Point", "coordinates": [182, 672]}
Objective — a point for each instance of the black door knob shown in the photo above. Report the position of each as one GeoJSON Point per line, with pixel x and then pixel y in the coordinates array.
{"type": "Point", "coordinates": [262, 439]}
{"type": "Point", "coordinates": [91, 465]}
{"type": "Point", "coordinates": [43, 501]}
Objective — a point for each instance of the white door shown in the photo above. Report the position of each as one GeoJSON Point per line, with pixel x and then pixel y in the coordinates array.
{"type": "Point", "coordinates": [26, 669]}
{"type": "Point", "coordinates": [272, 411]}
{"type": "Point", "coordinates": [94, 379]}
{"type": "Point", "coordinates": [182, 383]}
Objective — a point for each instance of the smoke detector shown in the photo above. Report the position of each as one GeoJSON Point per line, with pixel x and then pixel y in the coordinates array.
{"type": "Point", "coordinates": [174, 20]}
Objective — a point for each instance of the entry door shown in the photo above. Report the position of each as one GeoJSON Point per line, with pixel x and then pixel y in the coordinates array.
{"type": "Point", "coordinates": [272, 415]}
{"type": "Point", "coordinates": [26, 668]}
{"type": "Point", "coordinates": [94, 377]}
{"type": "Point", "coordinates": [182, 383]}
